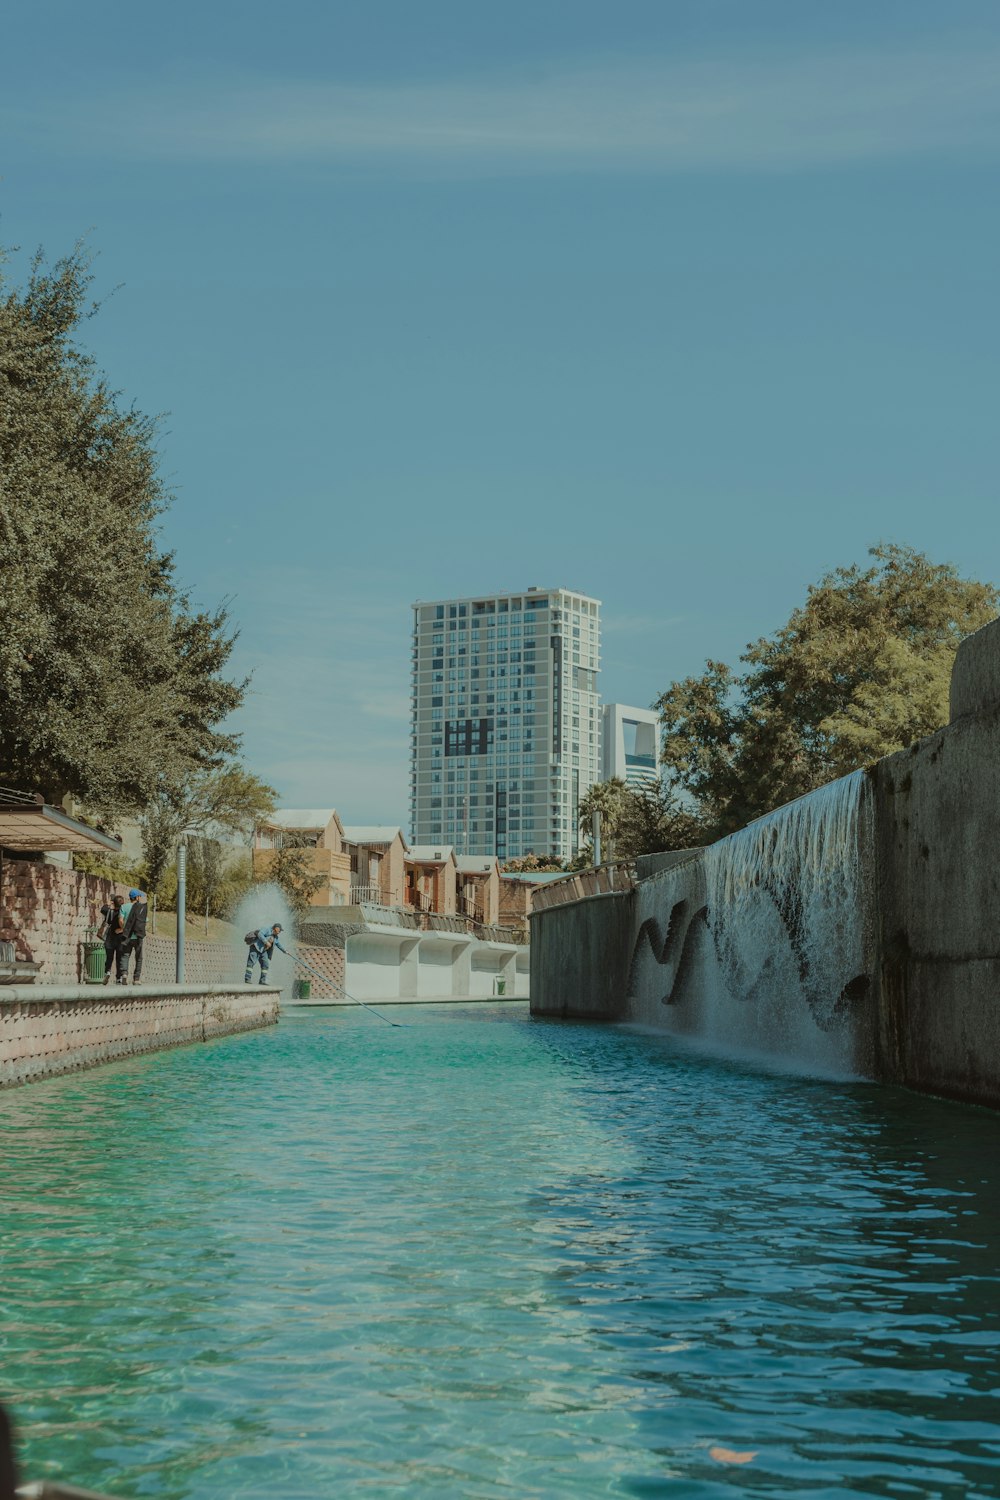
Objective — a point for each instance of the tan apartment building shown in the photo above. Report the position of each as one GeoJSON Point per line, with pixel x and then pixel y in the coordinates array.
{"type": "Point", "coordinates": [378, 864]}
{"type": "Point", "coordinates": [320, 833]}
{"type": "Point", "coordinates": [478, 887]}
{"type": "Point", "coordinates": [432, 879]}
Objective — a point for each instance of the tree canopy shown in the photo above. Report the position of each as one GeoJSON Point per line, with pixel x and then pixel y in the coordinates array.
{"type": "Point", "coordinates": [860, 670]}
{"type": "Point", "coordinates": [636, 820]}
{"type": "Point", "coordinates": [112, 683]}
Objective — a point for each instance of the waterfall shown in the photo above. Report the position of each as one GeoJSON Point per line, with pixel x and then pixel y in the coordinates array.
{"type": "Point", "coordinates": [787, 911]}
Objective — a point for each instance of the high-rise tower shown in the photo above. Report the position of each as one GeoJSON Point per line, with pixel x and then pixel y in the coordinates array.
{"type": "Point", "coordinates": [506, 727]}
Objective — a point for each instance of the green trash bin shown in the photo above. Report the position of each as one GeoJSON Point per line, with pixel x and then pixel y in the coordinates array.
{"type": "Point", "coordinates": [301, 989]}
{"type": "Point", "coordinates": [501, 986]}
{"type": "Point", "coordinates": [94, 958]}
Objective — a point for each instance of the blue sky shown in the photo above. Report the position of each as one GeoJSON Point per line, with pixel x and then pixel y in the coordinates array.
{"type": "Point", "coordinates": [680, 304]}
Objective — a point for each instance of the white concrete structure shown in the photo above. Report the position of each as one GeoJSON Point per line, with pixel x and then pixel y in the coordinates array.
{"type": "Point", "coordinates": [630, 745]}
{"type": "Point", "coordinates": [505, 721]}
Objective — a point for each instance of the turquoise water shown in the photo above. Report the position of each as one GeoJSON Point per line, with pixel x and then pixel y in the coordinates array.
{"type": "Point", "coordinates": [485, 1256]}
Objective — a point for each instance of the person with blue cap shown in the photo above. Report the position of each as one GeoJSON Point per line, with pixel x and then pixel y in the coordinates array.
{"type": "Point", "coordinates": [134, 917]}
{"type": "Point", "coordinates": [259, 945]}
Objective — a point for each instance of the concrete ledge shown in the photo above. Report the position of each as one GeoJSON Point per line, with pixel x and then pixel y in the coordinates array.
{"type": "Point", "coordinates": [26, 992]}
{"type": "Point", "coordinates": [975, 677]}
{"type": "Point", "coordinates": [45, 1031]}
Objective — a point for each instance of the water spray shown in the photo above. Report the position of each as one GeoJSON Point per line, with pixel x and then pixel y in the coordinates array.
{"type": "Point", "coordinates": [340, 989]}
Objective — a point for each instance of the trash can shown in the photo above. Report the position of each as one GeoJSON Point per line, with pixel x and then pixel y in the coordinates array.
{"type": "Point", "coordinates": [501, 986]}
{"type": "Point", "coordinates": [301, 989]}
{"type": "Point", "coordinates": [93, 962]}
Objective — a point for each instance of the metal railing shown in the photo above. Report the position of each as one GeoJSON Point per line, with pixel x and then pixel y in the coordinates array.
{"type": "Point", "coordinates": [606, 880]}
{"type": "Point", "coordinates": [366, 894]}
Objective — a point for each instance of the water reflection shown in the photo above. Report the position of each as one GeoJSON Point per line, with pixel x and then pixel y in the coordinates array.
{"type": "Point", "coordinates": [484, 1256]}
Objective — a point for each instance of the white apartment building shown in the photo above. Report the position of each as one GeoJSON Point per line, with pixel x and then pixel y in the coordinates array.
{"type": "Point", "coordinates": [505, 721]}
{"type": "Point", "coordinates": [630, 745]}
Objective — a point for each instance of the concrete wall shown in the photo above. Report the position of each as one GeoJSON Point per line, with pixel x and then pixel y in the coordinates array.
{"type": "Point", "coordinates": [924, 1007]}
{"type": "Point", "coordinates": [938, 854]}
{"type": "Point", "coordinates": [580, 955]}
{"type": "Point", "coordinates": [44, 1032]}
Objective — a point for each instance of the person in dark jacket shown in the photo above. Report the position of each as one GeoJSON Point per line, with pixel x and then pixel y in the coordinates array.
{"type": "Point", "coordinates": [133, 933]}
{"type": "Point", "coordinates": [113, 929]}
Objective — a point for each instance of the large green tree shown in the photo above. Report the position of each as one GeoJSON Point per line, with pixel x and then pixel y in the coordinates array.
{"type": "Point", "coordinates": [111, 681]}
{"type": "Point", "coordinates": [860, 670]}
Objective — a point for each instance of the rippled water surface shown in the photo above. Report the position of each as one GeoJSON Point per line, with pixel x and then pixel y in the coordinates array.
{"type": "Point", "coordinates": [485, 1256]}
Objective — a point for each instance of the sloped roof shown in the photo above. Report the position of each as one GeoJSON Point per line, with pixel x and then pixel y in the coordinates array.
{"type": "Point", "coordinates": [302, 817]}
{"type": "Point", "coordinates": [535, 877]}
{"type": "Point", "coordinates": [476, 864]}
{"type": "Point", "coordinates": [431, 854]}
{"type": "Point", "coordinates": [28, 823]}
{"type": "Point", "coordinates": [371, 833]}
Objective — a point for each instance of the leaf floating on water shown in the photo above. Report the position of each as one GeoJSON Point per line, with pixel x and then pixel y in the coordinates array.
{"type": "Point", "coordinates": [730, 1456]}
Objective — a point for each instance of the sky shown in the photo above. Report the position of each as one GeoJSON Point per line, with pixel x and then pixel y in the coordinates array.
{"type": "Point", "coordinates": [681, 304]}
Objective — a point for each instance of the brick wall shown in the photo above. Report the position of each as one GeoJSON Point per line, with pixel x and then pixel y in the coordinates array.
{"type": "Point", "coordinates": [48, 911]}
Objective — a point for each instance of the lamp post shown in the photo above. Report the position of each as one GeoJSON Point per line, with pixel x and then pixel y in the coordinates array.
{"type": "Point", "coordinates": [596, 825]}
{"type": "Point", "coordinates": [181, 907]}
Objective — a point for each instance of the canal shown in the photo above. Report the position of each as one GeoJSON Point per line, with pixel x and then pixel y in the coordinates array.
{"type": "Point", "coordinates": [480, 1255]}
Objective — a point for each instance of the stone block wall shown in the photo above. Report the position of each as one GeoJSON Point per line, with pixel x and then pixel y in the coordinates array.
{"type": "Point", "coordinates": [42, 1035]}
{"type": "Point", "coordinates": [47, 911]}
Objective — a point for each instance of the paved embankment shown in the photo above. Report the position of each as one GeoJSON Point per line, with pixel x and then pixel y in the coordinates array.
{"type": "Point", "coordinates": [45, 1030]}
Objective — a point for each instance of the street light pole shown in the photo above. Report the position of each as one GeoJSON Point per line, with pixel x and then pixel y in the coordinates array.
{"type": "Point", "coordinates": [181, 906]}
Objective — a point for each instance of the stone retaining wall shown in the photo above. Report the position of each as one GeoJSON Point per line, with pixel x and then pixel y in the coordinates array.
{"type": "Point", "coordinates": [47, 911]}
{"type": "Point", "coordinates": [44, 1032]}
{"type": "Point", "coordinates": [924, 1007]}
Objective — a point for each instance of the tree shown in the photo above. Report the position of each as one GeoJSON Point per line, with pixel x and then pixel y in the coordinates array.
{"type": "Point", "coordinates": [230, 798]}
{"type": "Point", "coordinates": [110, 679]}
{"type": "Point", "coordinates": [291, 870]}
{"type": "Point", "coordinates": [636, 820]}
{"type": "Point", "coordinates": [527, 864]}
{"type": "Point", "coordinates": [609, 798]}
{"type": "Point", "coordinates": [206, 868]}
{"type": "Point", "coordinates": [860, 670]}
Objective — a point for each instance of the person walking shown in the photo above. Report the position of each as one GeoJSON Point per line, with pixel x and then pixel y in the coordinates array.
{"type": "Point", "coordinates": [133, 932]}
{"type": "Point", "coordinates": [260, 946]}
{"type": "Point", "coordinates": [113, 929]}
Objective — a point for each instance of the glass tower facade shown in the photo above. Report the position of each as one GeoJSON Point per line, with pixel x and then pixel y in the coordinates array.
{"type": "Point", "coordinates": [506, 725]}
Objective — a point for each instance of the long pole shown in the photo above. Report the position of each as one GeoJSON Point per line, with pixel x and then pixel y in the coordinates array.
{"type": "Point", "coordinates": [353, 998]}
{"type": "Point", "coordinates": [597, 838]}
{"type": "Point", "coordinates": [181, 906]}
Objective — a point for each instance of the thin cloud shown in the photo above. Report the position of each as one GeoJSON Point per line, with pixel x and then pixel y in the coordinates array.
{"type": "Point", "coordinates": [640, 624]}
{"type": "Point", "coordinates": [780, 111]}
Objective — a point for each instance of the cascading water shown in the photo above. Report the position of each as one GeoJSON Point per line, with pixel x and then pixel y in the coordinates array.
{"type": "Point", "coordinates": [262, 906]}
{"type": "Point", "coordinates": [787, 910]}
